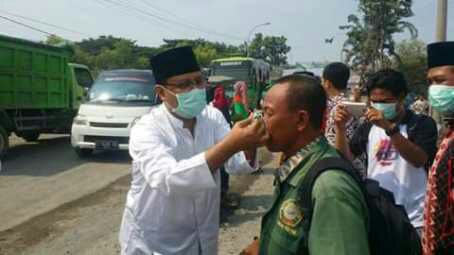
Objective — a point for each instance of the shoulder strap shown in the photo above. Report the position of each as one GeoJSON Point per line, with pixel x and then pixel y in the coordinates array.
{"type": "Point", "coordinates": [331, 163]}
{"type": "Point", "coordinates": [305, 191]}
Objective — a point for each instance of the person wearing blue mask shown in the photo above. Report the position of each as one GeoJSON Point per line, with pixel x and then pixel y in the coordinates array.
{"type": "Point", "coordinates": [399, 144]}
{"type": "Point", "coordinates": [177, 149]}
{"type": "Point", "coordinates": [438, 234]}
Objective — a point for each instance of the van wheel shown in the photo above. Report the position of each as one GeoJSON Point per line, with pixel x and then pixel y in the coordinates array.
{"type": "Point", "coordinates": [83, 153]}
{"type": "Point", "coordinates": [31, 136]}
{"type": "Point", "coordinates": [4, 142]}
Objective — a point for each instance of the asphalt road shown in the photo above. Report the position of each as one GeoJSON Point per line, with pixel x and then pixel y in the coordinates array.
{"type": "Point", "coordinates": [52, 202]}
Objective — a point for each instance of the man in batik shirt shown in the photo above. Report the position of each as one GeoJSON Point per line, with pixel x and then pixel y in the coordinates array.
{"type": "Point", "coordinates": [438, 234]}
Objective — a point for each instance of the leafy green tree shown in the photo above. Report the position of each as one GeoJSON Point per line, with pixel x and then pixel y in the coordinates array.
{"type": "Point", "coordinates": [204, 50]}
{"type": "Point", "coordinates": [205, 54]}
{"type": "Point", "coordinates": [370, 44]}
{"type": "Point", "coordinates": [273, 49]}
{"type": "Point", "coordinates": [82, 57]}
{"type": "Point", "coordinates": [413, 64]}
{"type": "Point", "coordinates": [143, 63]}
{"type": "Point", "coordinates": [54, 40]}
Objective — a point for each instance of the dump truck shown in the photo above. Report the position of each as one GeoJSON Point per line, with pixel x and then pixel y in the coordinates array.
{"type": "Point", "coordinates": [40, 91]}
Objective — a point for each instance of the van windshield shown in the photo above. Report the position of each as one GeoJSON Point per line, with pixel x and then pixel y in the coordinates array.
{"type": "Point", "coordinates": [123, 88]}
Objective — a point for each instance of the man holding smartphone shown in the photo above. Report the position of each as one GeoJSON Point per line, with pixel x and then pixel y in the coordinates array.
{"type": "Point", "coordinates": [399, 145]}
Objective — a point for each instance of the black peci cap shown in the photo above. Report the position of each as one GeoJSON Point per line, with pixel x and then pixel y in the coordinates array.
{"type": "Point", "coordinates": [173, 62]}
{"type": "Point", "coordinates": [440, 54]}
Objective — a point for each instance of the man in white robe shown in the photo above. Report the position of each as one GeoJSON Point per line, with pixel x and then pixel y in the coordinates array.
{"type": "Point", "coordinates": [173, 204]}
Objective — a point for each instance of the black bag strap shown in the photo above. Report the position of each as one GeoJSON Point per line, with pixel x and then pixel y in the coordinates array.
{"type": "Point", "coordinates": [330, 163]}
{"type": "Point", "coordinates": [305, 191]}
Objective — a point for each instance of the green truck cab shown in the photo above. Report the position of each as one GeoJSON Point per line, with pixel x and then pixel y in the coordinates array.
{"type": "Point", "coordinates": [40, 91]}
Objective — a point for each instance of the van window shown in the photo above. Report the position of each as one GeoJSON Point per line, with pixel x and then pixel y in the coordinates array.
{"type": "Point", "coordinates": [133, 87]}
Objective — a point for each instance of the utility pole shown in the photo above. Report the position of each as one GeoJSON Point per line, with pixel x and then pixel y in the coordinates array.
{"type": "Point", "coordinates": [442, 20]}
{"type": "Point", "coordinates": [248, 39]}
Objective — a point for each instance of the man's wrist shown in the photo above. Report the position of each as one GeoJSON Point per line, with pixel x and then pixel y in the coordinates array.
{"type": "Point", "coordinates": [340, 130]}
{"type": "Point", "coordinates": [392, 130]}
{"type": "Point", "coordinates": [230, 145]}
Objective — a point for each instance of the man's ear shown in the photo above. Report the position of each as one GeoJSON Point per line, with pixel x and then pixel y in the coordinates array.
{"type": "Point", "coordinates": [303, 120]}
{"type": "Point", "coordinates": [326, 84]}
{"type": "Point", "coordinates": [160, 92]}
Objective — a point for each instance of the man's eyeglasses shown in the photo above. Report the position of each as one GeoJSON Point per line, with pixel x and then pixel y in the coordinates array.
{"type": "Point", "coordinates": [198, 82]}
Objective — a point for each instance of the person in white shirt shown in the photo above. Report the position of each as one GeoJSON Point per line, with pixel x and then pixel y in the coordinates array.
{"type": "Point", "coordinates": [399, 144]}
{"type": "Point", "coordinates": [173, 204]}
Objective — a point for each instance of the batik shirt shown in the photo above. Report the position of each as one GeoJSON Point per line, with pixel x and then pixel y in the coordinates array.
{"type": "Point", "coordinates": [330, 130]}
{"type": "Point", "coordinates": [438, 235]}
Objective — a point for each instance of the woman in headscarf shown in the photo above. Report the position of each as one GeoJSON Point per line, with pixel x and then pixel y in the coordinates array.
{"type": "Point", "coordinates": [241, 111]}
{"type": "Point", "coordinates": [221, 102]}
{"type": "Point", "coordinates": [240, 106]}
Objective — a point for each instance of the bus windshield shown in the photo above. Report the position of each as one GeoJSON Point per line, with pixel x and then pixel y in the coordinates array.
{"type": "Point", "coordinates": [238, 70]}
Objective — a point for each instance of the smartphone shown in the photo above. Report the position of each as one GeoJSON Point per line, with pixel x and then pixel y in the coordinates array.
{"type": "Point", "coordinates": [356, 109]}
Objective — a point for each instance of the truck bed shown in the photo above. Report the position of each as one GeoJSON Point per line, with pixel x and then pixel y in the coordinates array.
{"type": "Point", "coordinates": [33, 75]}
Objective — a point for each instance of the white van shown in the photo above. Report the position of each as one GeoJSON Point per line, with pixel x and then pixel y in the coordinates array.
{"type": "Point", "coordinates": [116, 102]}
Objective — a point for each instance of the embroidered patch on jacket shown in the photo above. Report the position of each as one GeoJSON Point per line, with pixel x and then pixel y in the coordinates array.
{"type": "Point", "coordinates": [290, 214]}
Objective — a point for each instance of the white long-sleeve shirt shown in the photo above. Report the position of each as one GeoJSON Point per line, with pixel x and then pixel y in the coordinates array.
{"type": "Point", "coordinates": [173, 204]}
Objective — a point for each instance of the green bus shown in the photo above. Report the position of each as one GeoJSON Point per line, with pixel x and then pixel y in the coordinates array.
{"type": "Point", "coordinates": [255, 72]}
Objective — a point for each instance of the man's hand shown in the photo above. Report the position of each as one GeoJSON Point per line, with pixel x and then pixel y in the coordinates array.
{"type": "Point", "coordinates": [252, 249]}
{"type": "Point", "coordinates": [245, 135]}
{"type": "Point", "coordinates": [377, 118]}
{"type": "Point", "coordinates": [341, 117]}
{"type": "Point", "coordinates": [248, 134]}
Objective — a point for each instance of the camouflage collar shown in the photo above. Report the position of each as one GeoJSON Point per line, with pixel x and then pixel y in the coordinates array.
{"type": "Point", "coordinates": [291, 163]}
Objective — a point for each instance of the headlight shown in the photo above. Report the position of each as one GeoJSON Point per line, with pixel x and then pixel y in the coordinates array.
{"type": "Point", "coordinates": [80, 121]}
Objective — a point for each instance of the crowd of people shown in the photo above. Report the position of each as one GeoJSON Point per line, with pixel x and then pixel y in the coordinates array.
{"type": "Point", "coordinates": [322, 204]}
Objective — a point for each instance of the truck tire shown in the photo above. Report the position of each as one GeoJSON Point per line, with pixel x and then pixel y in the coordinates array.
{"type": "Point", "coordinates": [31, 136]}
{"type": "Point", "coordinates": [4, 142]}
{"type": "Point", "coordinates": [83, 153]}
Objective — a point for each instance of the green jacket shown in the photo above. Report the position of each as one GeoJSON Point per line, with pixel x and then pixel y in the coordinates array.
{"type": "Point", "coordinates": [340, 217]}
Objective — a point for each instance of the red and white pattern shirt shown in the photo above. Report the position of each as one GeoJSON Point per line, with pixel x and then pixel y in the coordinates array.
{"type": "Point", "coordinates": [438, 235]}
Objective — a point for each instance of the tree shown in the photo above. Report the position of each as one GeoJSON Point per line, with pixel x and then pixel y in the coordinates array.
{"type": "Point", "coordinates": [273, 49]}
{"type": "Point", "coordinates": [370, 45]}
{"type": "Point", "coordinates": [205, 54]}
{"type": "Point", "coordinates": [204, 50]}
{"type": "Point", "coordinates": [109, 52]}
{"type": "Point", "coordinates": [54, 40]}
{"type": "Point", "coordinates": [413, 64]}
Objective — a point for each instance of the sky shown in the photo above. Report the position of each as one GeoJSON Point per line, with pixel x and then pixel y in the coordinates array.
{"type": "Point", "coordinates": [306, 23]}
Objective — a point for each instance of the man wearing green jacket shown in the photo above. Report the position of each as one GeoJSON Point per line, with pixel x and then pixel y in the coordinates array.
{"type": "Point", "coordinates": [293, 114]}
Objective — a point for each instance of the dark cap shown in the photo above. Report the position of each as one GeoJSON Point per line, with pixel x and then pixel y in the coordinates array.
{"type": "Point", "coordinates": [173, 62]}
{"type": "Point", "coordinates": [440, 54]}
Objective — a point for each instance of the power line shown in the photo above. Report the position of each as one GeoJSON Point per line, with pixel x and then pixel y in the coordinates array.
{"type": "Point", "coordinates": [125, 9]}
{"type": "Point", "coordinates": [163, 19]}
{"type": "Point", "coordinates": [25, 25]}
{"type": "Point", "coordinates": [159, 9]}
{"type": "Point", "coordinates": [43, 23]}
{"type": "Point", "coordinates": [186, 21]}
{"type": "Point", "coordinates": [132, 13]}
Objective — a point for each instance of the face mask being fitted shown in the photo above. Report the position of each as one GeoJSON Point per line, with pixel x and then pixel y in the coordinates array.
{"type": "Point", "coordinates": [441, 98]}
{"type": "Point", "coordinates": [190, 104]}
{"type": "Point", "coordinates": [388, 109]}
